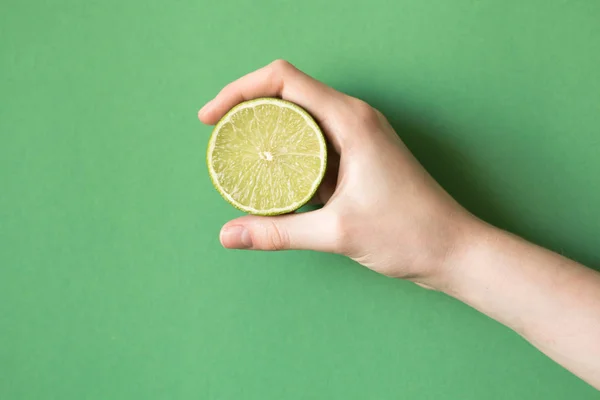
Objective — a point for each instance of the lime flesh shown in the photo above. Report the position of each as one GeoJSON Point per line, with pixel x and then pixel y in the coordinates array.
{"type": "Point", "coordinates": [267, 156]}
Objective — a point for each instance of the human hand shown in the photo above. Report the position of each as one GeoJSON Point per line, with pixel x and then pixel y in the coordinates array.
{"type": "Point", "coordinates": [381, 208]}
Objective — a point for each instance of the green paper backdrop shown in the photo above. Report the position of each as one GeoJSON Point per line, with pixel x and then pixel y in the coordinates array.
{"type": "Point", "coordinates": [113, 284]}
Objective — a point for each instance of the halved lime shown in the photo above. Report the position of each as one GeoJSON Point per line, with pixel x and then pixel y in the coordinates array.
{"type": "Point", "coordinates": [267, 156]}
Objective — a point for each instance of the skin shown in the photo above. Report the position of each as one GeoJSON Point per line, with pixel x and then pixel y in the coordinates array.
{"type": "Point", "coordinates": [383, 210]}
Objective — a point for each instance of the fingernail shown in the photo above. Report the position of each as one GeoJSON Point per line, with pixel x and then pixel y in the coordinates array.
{"type": "Point", "coordinates": [236, 237]}
{"type": "Point", "coordinates": [204, 108]}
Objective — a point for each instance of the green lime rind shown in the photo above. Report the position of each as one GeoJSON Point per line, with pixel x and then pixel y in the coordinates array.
{"type": "Point", "coordinates": [273, 211]}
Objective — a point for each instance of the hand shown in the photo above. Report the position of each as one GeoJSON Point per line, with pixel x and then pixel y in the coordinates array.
{"type": "Point", "coordinates": [381, 208]}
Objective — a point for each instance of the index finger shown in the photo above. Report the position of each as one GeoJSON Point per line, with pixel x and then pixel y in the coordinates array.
{"type": "Point", "coordinates": [278, 79]}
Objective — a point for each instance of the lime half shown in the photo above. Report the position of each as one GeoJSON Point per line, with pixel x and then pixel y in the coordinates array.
{"type": "Point", "coordinates": [267, 156]}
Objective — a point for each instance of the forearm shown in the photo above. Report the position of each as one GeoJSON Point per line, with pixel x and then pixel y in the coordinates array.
{"type": "Point", "coordinates": [551, 301]}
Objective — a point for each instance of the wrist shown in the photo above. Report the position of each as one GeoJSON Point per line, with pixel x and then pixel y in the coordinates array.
{"type": "Point", "coordinates": [475, 261]}
{"type": "Point", "coordinates": [472, 238]}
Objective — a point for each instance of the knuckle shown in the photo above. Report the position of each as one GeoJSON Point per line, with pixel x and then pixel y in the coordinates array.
{"type": "Point", "coordinates": [276, 238]}
{"type": "Point", "coordinates": [379, 114]}
{"type": "Point", "coordinates": [367, 113]}
{"type": "Point", "coordinates": [364, 112]}
{"type": "Point", "coordinates": [281, 65]}
{"type": "Point", "coordinates": [342, 231]}
{"type": "Point", "coordinates": [277, 72]}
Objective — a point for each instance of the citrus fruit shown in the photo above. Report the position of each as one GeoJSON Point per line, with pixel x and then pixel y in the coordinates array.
{"type": "Point", "coordinates": [267, 156]}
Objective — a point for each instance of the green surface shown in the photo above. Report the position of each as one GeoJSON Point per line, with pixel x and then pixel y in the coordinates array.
{"type": "Point", "coordinates": [112, 281]}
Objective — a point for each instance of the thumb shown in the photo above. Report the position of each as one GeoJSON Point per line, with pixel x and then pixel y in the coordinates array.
{"type": "Point", "coordinates": [314, 230]}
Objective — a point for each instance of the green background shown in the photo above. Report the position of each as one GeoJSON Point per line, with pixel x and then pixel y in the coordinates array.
{"type": "Point", "coordinates": [113, 284]}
